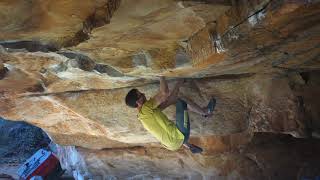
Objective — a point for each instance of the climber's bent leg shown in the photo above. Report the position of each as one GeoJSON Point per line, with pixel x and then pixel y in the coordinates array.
{"type": "Point", "coordinates": [183, 124]}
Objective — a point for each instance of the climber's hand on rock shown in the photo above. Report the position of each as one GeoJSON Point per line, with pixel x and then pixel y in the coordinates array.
{"type": "Point", "coordinates": [180, 82]}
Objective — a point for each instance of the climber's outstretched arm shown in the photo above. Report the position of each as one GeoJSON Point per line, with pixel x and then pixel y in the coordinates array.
{"type": "Point", "coordinates": [163, 93]}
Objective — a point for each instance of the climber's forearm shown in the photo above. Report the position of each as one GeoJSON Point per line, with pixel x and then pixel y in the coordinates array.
{"type": "Point", "coordinates": [163, 93]}
{"type": "Point", "coordinates": [164, 90]}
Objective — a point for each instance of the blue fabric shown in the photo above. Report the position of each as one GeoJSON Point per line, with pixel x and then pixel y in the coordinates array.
{"type": "Point", "coordinates": [182, 119]}
{"type": "Point", "coordinates": [212, 105]}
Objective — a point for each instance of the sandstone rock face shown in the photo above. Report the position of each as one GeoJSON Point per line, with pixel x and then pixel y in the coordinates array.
{"type": "Point", "coordinates": [60, 23]}
{"type": "Point", "coordinates": [264, 158]}
{"type": "Point", "coordinates": [259, 104]}
{"type": "Point", "coordinates": [67, 70]}
{"type": "Point", "coordinates": [154, 35]}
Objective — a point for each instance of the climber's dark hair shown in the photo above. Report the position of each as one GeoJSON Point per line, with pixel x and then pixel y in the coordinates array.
{"type": "Point", "coordinates": [131, 98]}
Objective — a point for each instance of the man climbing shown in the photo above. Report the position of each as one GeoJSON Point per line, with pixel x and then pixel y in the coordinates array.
{"type": "Point", "coordinates": [172, 136]}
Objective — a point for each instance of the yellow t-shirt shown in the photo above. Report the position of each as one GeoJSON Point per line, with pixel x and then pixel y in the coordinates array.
{"type": "Point", "coordinates": [158, 124]}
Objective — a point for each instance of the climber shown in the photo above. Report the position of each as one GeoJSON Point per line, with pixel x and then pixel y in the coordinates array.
{"type": "Point", "coordinates": [157, 123]}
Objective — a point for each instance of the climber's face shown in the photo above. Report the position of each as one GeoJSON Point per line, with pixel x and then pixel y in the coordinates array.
{"type": "Point", "coordinates": [141, 98]}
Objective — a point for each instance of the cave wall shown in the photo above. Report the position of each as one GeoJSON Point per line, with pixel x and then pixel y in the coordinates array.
{"type": "Point", "coordinates": [250, 62]}
{"type": "Point", "coordinates": [67, 70]}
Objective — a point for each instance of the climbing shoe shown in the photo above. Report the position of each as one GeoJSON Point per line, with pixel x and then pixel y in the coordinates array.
{"type": "Point", "coordinates": [195, 149]}
{"type": "Point", "coordinates": [210, 107]}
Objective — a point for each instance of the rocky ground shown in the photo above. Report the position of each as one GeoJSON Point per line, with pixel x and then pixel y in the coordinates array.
{"type": "Point", "coordinates": [18, 142]}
